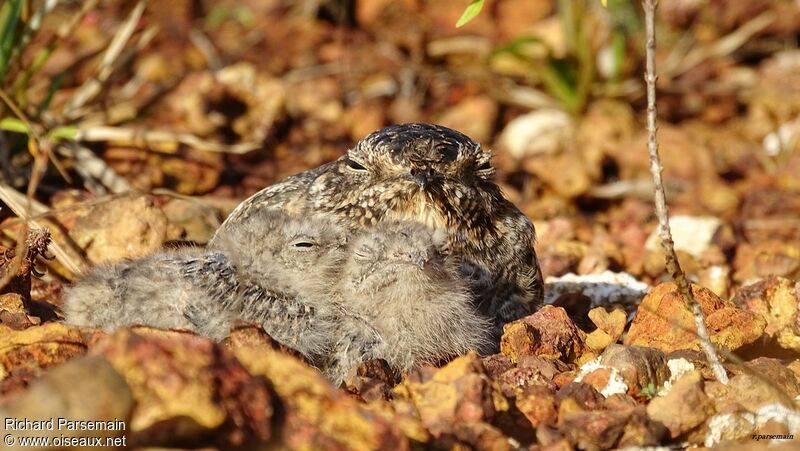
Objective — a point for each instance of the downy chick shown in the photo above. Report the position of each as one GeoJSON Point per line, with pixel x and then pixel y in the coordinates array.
{"type": "Point", "coordinates": [286, 267]}
{"type": "Point", "coordinates": [397, 277]}
{"type": "Point", "coordinates": [158, 290]}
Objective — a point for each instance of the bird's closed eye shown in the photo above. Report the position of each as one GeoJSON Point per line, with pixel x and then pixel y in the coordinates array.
{"type": "Point", "coordinates": [354, 165]}
{"type": "Point", "coordinates": [303, 244]}
{"type": "Point", "coordinates": [486, 166]}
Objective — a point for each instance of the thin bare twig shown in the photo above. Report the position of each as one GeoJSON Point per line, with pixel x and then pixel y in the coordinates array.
{"type": "Point", "coordinates": [726, 45]}
{"type": "Point", "coordinates": [158, 141]}
{"type": "Point", "coordinates": [95, 172]}
{"type": "Point", "coordinates": [662, 212]}
{"type": "Point", "coordinates": [21, 249]}
{"type": "Point", "coordinates": [92, 86]}
{"type": "Point", "coordinates": [62, 247]}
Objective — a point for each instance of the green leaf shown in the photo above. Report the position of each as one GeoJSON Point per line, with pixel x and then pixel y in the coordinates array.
{"type": "Point", "coordinates": [66, 132]}
{"type": "Point", "coordinates": [9, 20]}
{"type": "Point", "coordinates": [516, 47]}
{"type": "Point", "coordinates": [13, 124]}
{"type": "Point", "coordinates": [558, 80]}
{"type": "Point", "coordinates": [54, 87]}
{"type": "Point", "coordinates": [472, 11]}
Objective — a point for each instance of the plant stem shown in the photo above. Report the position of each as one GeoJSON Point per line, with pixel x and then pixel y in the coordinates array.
{"type": "Point", "coordinates": [672, 265]}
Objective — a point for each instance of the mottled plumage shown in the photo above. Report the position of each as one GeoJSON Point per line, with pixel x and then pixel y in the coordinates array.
{"type": "Point", "coordinates": [430, 175]}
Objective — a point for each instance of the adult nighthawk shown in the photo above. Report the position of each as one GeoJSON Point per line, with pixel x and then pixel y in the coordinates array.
{"type": "Point", "coordinates": [435, 176]}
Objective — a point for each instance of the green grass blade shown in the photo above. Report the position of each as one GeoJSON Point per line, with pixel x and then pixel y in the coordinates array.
{"type": "Point", "coordinates": [473, 9]}
{"type": "Point", "coordinates": [54, 87]}
{"type": "Point", "coordinates": [9, 14]}
{"type": "Point", "coordinates": [517, 46]}
{"type": "Point", "coordinates": [67, 132]}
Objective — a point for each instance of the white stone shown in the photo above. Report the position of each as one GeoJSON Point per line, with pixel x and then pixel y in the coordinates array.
{"type": "Point", "coordinates": [729, 426]}
{"type": "Point", "coordinates": [691, 234]}
{"type": "Point", "coordinates": [604, 288]}
{"type": "Point", "coordinates": [616, 384]}
{"type": "Point", "coordinates": [741, 424]}
{"type": "Point", "coordinates": [537, 133]}
{"type": "Point", "coordinates": [677, 368]}
{"type": "Point", "coordinates": [782, 140]}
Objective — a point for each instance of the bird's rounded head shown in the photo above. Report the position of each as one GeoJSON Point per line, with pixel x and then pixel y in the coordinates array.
{"type": "Point", "coordinates": [417, 172]}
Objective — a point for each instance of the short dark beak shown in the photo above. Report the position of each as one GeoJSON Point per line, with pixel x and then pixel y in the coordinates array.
{"type": "Point", "coordinates": [423, 177]}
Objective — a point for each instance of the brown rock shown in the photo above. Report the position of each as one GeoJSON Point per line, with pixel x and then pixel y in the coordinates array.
{"type": "Point", "coordinates": [598, 340]}
{"type": "Point", "coordinates": [639, 366]}
{"type": "Point", "coordinates": [777, 300]}
{"type": "Point", "coordinates": [626, 425]}
{"type": "Point", "coordinates": [767, 258]}
{"type": "Point", "coordinates": [664, 321]}
{"type": "Point", "coordinates": [477, 435]}
{"type": "Point", "coordinates": [371, 380]}
{"type": "Point", "coordinates": [610, 327]}
{"type": "Point", "coordinates": [497, 364]}
{"type": "Point", "coordinates": [12, 303]}
{"type": "Point", "coordinates": [84, 389]}
{"type": "Point", "coordinates": [788, 445]}
{"type": "Point", "coordinates": [612, 323]}
{"type": "Point", "coordinates": [458, 392]}
{"type": "Point", "coordinates": [539, 405]}
{"type": "Point", "coordinates": [550, 438]}
{"type": "Point", "coordinates": [747, 390]}
{"type": "Point", "coordinates": [606, 125]}
{"type": "Point", "coordinates": [640, 431]}
{"type": "Point", "coordinates": [684, 407]}
{"type": "Point", "coordinates": [776, 373]}
{"type": "Point", "coordinates": [130, 226]}
{"type": "Point", "coordinates": [368, 12]}
{"type": "Point", "coordinates": [316, 415]}
{"type": "Point", "coordinates": [599, 378]}
{"type": "Point", "coordinates": [547, 333]}
{"type": "Point", "coordinates": [794, 367]}
{"type": "Point", "coordinates": [519, 378]}
{"type": "Point", "coordinates": [188, 390]}
{"type": "Point", "coordinates": [194, 172]}
{"type": "Point", "coordinates": [684, 158]}
{"type": "Point", "coordinates": [402, 414]}
{"type": "Point", "coordinates": [13, 313]}
{"type": "Point", "coordinates": [585, 396]}
{"type": "Point", "coordinates": [564, 379]}
{"type": "Point", "coordinates": [531, 370]}
{"type": "Point", "coordinates": [26, 354]}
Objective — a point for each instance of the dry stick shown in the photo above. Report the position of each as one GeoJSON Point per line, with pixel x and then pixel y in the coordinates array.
{"type": "Point", "coordinates": [64, 250]}
{"type": "Point", "coordinates": [93, 86]}
{"type": "Point", "coordinates": [672, 265]}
